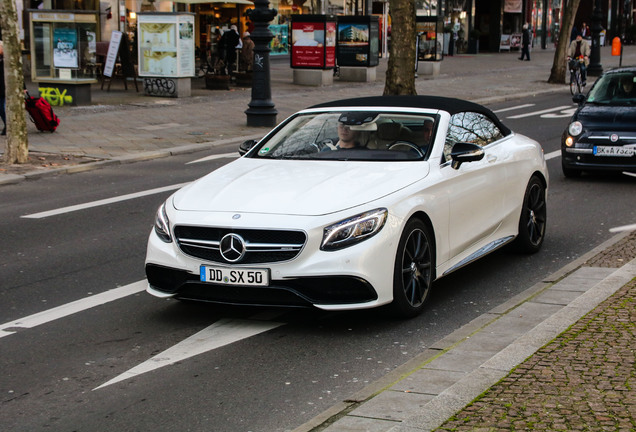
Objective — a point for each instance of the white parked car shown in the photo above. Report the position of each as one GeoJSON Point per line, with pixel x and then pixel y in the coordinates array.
{"type": "Point", "coordinates": [352, 204]}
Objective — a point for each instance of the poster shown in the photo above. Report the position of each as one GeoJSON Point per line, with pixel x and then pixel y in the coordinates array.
{"type": "Point", "coordinates": [186, 46]}
{"type": "Point", "coordinates": [113, 51]}
{"type": "Point", "coordinates": [308, 40]}
{"type": "Point", "coordinates": [65, 48]}
{"type": "Point", "coordinates": [330, 45]}
{"type": "Point", "coordinates": [353, 44]}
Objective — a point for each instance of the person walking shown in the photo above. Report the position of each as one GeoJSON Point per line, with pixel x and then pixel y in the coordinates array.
{"type": "Point", "coordinates": [247, 52]}
{"type": "Point", "coordinates": [230, 41]}
{"type": "Point", "coordinates": [3, 97]}
{"type": "Point", "coordinates": [525, 43]}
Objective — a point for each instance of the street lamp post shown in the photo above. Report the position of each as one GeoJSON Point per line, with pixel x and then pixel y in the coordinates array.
{"type": "Point", "coordinates": [261, 111]}
{"type": "Point", "coordinates": [595, 68]}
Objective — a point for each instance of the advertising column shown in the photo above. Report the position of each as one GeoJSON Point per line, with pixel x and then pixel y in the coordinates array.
{"type": "Point", "coordinates": [313, 51]}
{"type": "Point", "coordinates": [358, 47]}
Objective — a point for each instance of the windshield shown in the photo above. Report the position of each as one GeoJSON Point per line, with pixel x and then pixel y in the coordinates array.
{"type": "Point", "coordinates": [357, 135]}
{"type": "Point", "coordinates": [614, 89]}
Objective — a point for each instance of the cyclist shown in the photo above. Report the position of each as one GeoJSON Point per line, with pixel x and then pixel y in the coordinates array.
{"type": "Point", "coordinates": [580, 49]}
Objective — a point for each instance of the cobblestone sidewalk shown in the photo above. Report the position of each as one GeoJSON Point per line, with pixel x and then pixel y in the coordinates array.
{"type": "Point", "coordinates": [584, 380]}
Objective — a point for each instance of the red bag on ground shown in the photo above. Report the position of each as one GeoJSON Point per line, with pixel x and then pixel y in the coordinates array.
{"type": "Point", "coordinates": [41, 114]}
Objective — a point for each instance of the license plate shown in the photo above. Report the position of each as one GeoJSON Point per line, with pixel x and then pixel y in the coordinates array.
{"type": "Point", "coordinates": [234, 276]}
{"type": "Point", "coordinates": [613, 151]}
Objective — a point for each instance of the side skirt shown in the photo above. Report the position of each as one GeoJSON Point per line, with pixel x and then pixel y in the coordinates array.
{"type": "Point", "coordinates": [490, 247]}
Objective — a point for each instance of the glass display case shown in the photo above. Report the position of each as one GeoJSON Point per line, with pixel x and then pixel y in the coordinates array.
{"type": "Point", "coordinates": [430, 35]}
{"type": "Point", "coordinates": [63, 45]}
{"type": "Point", "coordinates": [165, 44]}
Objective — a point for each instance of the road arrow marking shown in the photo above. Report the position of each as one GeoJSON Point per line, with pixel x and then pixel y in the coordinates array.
{"type": "Point", "coordinates": [221, 333]}
{"type": "Point", "coordinates": [535, 113]}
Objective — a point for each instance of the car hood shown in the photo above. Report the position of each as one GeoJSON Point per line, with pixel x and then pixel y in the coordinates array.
{"type": "Point", "coordinates": [613, 118]}
{"type": "Point", "coordinates": [296, 187]}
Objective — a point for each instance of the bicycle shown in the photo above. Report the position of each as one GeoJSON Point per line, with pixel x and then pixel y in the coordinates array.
{"type": "Point", "coordinates": [576, 83]}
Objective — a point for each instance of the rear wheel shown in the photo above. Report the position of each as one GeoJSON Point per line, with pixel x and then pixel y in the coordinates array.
{"type": "Point", "coordinates": [533, 217]}
{"type": "Point", "coordinates": [413, 271]}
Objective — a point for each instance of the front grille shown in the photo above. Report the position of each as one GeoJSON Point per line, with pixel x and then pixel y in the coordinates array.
{"type": "Point", "coordinates": [261, 246]}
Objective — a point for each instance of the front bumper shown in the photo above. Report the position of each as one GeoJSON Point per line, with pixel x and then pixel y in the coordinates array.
{"type": "Point", "coordinates": [291, 292]}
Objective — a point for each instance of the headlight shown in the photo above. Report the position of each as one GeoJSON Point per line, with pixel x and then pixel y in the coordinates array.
{"type": "Point", "coordinates": [162, 224]}
{"type": "Point", "coordinates": [575, 128]}
{"type": "Point", "coordinates": [569, 141]}
{"type": "Point", "coordinates": [353, 230]}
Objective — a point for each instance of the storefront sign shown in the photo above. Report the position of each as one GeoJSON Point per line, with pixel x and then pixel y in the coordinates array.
{"type": "Point", "coordinates": [513, 6]}
{"type": "Point", "coordinates": [113, 50]}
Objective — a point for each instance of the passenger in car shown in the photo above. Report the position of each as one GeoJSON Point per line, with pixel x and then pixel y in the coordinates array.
{"type": "Point", "coordinates": [427, 132]}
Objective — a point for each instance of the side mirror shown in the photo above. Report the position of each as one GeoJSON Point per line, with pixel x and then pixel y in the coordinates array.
{"type": "Point", "coordinates": [246, 146]}
{"type": "Point", "coordinates": [466, 152]}
{"type": "Point", "coordinates": [578, 98]}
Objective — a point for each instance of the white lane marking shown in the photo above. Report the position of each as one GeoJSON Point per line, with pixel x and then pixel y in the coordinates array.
{"type": "Point", "coordinates": [71, 308]}
{"type": "Point", "coordinates": [631, 227]}
{"type": "Point", "coordinates": [103, 202]}
{"type": "Point", "coordinates": [221, 333]}
{"type": "Point", "coordinates": [217, 156]}
{"type": "Point", "coordinates": [536, 113]}
{"type": "Point", "coordinates": [513, 108]}
{"type": "Point", "coordinates": [564, 113]}
{"type": "Point", "coordinates": [553, 155]}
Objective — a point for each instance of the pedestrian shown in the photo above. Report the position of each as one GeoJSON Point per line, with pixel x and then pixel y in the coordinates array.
{"type": "Point", "coordinates": [229, 43]}
{"type": "Point", "coordinates": [3, 98]}
{"type": "Point", "coordinates": [525, 43]}
{"type": "Point", "coordinates": [574, 33]}
{"type": "Point", "coordinates": [247, 52]}
{"type": "Point", "coordinates": [585, 32]}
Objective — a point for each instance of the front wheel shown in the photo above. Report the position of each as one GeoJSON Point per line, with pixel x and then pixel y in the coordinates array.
{"type": "Point", "coordinates": [413, 270]}
{"type": "Point", "coordinates": [534, 213]}
{"type": "Point", "coordinates": [575, 84]}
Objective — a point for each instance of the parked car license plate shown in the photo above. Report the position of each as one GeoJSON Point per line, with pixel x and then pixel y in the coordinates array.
{"type": "Point", "coordinates": [613, 151]}
{"type": "Point", "coordinates": [234, 276]}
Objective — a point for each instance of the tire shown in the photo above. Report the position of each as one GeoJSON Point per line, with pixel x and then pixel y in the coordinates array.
{"type": "Point", "coordinates": [572, 84]}
{"type": "Point", "coordinates": [413, 270]}
{"type": "Point", "coordinates": [532, 222]}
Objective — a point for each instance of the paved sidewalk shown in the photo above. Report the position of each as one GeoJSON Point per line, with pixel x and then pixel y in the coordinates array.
{"type": "Point", "coordinates": [583, 379]}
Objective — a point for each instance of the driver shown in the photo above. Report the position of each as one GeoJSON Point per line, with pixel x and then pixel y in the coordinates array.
{"type": "Point", "coordinates": [347, 138]}
{"type": "Point", "coordinates": [626, 88]}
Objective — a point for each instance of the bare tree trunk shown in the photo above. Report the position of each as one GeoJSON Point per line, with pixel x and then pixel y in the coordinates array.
{"type": "Point", "coordinates": [400, 75]}
{"type": "Point", "coordinates": [17, 150]}
{"type": "Point", "coordinates": [557, 74]}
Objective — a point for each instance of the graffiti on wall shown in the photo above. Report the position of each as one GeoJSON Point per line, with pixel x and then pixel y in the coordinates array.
{"type": "Point", "coordinates": [55, 96]}
{"type": "Point", "coordinates": [160, 87]}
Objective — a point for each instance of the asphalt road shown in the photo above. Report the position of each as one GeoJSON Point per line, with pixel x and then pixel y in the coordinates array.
{"type": "Point", "coordinates": [278, 368]}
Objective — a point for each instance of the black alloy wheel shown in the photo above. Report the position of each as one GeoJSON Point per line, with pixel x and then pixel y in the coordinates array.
{"type": "Point", "coordinates": [533, 218]}
{"type": "Point", "coordinates": [413, 272]}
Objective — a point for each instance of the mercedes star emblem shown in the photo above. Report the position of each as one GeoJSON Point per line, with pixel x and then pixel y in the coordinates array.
{"type": "Point", "coordinates": [232, 247]}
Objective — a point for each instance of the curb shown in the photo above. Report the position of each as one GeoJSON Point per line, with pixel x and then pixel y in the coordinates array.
{"type": "Point", "coordinates": [350, 415]}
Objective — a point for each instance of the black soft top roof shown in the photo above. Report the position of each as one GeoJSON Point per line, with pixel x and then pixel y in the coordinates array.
{"type": "Point", "coordinates": [451, 105]}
